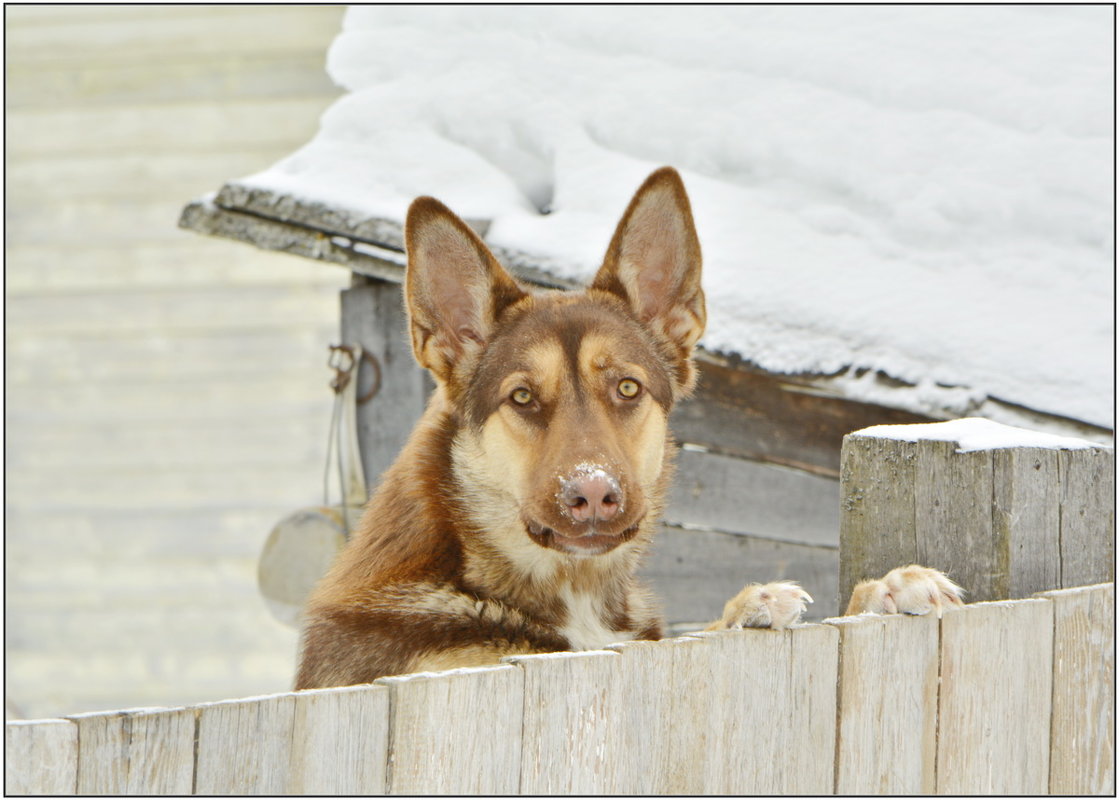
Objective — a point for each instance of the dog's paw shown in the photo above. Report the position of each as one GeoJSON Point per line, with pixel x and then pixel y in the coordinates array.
{"type": "Point", "coordinates": [776, 605]}
{"type": "Point", "coordinates": [912, 590]}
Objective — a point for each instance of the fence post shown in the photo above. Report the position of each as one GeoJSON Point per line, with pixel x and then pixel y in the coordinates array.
{"type": "Point", "coordinates": [1005, 511]}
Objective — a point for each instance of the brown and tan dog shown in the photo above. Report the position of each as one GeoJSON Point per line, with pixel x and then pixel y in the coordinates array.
{"type": "Point", "coordinates": [514, 519]}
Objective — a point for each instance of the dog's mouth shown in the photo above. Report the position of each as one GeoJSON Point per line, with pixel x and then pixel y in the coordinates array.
{"type": "Point", "coordinates": [590, 543]}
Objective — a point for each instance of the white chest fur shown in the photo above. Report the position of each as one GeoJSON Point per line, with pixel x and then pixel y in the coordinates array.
{"type": "Point", "coordinates": [585, 629]}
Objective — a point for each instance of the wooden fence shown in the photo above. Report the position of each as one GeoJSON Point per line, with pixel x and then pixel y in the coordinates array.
{"type": "Point", "coordinates": [1002, 697]}
{"type": "Point", "coordinates": [1009, 697]}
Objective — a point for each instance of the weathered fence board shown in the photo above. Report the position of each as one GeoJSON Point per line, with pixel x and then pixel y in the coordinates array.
{"type": "Point", "coordinates": [456, 732]}
{"type": "Point", "coordinates": [1082, 750]}
{"type": "Point", "coordinates": [136, 752]}
{"type": "Point", "coordinates": [995, 699]}
{"type": "Point", "coordinates": [40, 757]}
{"type": "Point", "coordinates": [244, 747]}
{"type": "Point", "coordinates": [886, 739]}
{"type": "Point", "coordinates": [340, 741]}
{"type": "Point", "coordinates": [768, 694]}
{"type": "Point", "coordinates": [658, 689]}
{"type": "Point", "coordinates": [1087, 517]}
{"type": "Point", "coordinates": [573, 724]}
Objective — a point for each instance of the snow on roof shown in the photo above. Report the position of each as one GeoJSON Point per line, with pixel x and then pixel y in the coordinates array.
{"type": "Point", "coordinates": [976, 434]}
{"type": "Point", "coordinates": [920, 191]}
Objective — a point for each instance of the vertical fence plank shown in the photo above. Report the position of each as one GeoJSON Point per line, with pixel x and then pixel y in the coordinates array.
{"type": "Point", "coordinates": [771, 694]}
{"type": "Point", "coordinates": [876, 527]}
{"type": "Point", "coordinates": [1087, 516]}
{"type": "Point", "coordinates": [340, 741]}
{"type": "Point", "coordinates": [570, 743]}
{"type": "Point", "coordinates": [40, 757]}
{"type": "Point", "coordinates": [664, 718]}
{"type": "Point", "coordinates": [995, 699]}
{"type": "Point", "coordinates": [455, 732]}
{"type": "Point", "coordinates": [136, 752]}
{"type": "Point", "coordinates": [1082, 752]}
{"type": "Point", "coordinates": [244, 746]}
{"type": "Point", "coordinates": [887, 705]}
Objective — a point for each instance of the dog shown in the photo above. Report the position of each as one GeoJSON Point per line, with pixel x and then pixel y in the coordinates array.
{"type": "Point", "coordinates": [515, 517]}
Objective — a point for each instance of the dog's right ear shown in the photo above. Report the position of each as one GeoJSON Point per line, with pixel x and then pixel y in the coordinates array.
{"type": "Point", "coordinates": [454, 288]}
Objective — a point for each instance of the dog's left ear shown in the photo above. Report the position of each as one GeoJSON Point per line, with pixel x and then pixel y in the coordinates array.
{"type": "Point", "coordinates": [654, 264]}
{"type": "Point", "coordinates": [454, 288]}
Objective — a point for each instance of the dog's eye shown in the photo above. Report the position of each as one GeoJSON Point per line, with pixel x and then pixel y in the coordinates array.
{"type": "Point", "coordinates": [628, 388]}
{"type": "Point", "coordinates": [521, 396]}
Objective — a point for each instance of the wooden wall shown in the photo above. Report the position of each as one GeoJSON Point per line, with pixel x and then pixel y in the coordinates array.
{"type": "Point", "coordinates": [166, 392]}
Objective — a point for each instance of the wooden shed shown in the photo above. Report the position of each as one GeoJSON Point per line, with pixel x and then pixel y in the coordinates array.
{"type": "Point", "coordinates": [757, 495]}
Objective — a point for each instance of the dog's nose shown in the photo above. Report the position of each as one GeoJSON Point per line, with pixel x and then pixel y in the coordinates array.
{"type": "Point", "coordinates": [592, 497]}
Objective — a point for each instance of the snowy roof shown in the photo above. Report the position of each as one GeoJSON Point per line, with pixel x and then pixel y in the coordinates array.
{"type": "Point", "coordinates": [921, 193]}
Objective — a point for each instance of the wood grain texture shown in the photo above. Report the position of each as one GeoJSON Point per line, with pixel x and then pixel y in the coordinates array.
{"type": "Point", "coordinates": [1087, 516]}
{"type": "Point", "coordinates": [877, 531]}
{"type": "Point", "coordinates": [456, 732]}
{"type": "Point", "coordinates": [40, 757]}
{"type": "Point", "coordinates": [1026, 519]}
{"type": "Point", "coordinates": [888, 671]}
{"type": "Point", "coordinates": [574, 726]}
{"type": "Point", "coordinates": [740, 496]}
{"type": "Point", "coordinates": [373, 315]}
{"type": "Point", "coordinates": [245, 746]}
{"type": "Point", "coordinates": [665, 724]}
{"type": "Point", "coordinates": [695, 572]}
{"type": "Point", "coordinates": [995, 699]}
{"type": "Point", "coordinates": [136, 752]}
{"type": "Point", "coordinates": [340, 741]}
{"type": "Point", "coordinates": [1082, 749]}
{"type": "Point", "coordinates": [952, 519]}
{"type": "Point", "coordinates": [767, 695]}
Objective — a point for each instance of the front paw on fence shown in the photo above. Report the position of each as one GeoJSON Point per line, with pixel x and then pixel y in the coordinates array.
{"type": "Point", "coordinates": [911, 590]}
{"type": "Point", "coordinates": [776, 605]}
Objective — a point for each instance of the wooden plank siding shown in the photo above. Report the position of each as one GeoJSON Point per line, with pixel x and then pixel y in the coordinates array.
{"type": "Point", "coordinates": [166, 394]}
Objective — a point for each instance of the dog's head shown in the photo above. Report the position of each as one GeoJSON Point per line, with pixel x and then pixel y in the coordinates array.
{"type": "Point", "coordinates": [562, 397]}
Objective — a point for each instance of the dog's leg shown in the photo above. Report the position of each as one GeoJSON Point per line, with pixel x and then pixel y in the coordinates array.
{"type": "Point", "coordinates": [767, 606]}
{"type": "Point", "coordinates": [911, 590]}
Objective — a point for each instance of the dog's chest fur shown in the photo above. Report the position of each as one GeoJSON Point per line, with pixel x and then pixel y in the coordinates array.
{"type": "Point", "coordinates": [584, 625]}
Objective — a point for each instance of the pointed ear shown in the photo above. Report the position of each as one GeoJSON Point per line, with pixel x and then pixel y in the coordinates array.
{"type": "Point", "coordinates": [453, 286]}
{"type": "Point", "coordinates": [653, 262]}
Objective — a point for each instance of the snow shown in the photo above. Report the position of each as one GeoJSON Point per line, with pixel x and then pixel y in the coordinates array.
{"type": "Point", "coordinates": [976, 434]}
{"type": "Point", "coordinates": [921, 192]}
